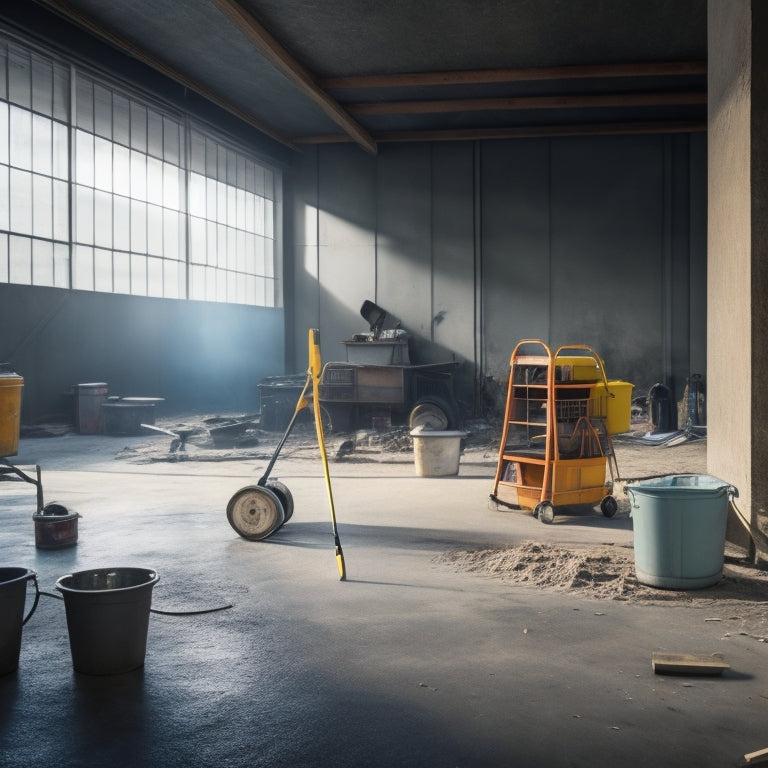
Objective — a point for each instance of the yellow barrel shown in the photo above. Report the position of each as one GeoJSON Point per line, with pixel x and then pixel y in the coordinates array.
{"type": "Point", "coordinates": [10, 412]}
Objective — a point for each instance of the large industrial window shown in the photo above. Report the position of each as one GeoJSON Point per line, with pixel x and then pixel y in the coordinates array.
{"type": "Point", "coordinates": [102, 189]}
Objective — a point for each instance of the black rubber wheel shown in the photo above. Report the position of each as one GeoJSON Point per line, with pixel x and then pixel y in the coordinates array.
{"type": "Point", "coordinates": [545, 512]}
{"type": "Point", "coordinates": [255, 512]}
{"type": "Point", "coordinates": [286, 499]}
{"type": "Point", "coordinates": [609, 506]}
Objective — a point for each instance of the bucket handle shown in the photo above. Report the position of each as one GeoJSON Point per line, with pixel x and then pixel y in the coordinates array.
{"type": "Point", "coordinates": [33, 576]}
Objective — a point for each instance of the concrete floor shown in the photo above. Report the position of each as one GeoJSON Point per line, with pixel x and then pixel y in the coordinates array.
{"type": "Point", "coordinates": [407, 663]}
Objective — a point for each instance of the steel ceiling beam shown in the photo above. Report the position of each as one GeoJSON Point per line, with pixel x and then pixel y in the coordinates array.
{"type": "Point", "coordinates": [522, 132]}
{"type": "Point", "coordinates": [520, 103]}
{"type": "Point", "coordinates": [518, 75]}
{"type": "Point", "coordinates": [68, 11]}
{"type": "Point", "coordinates": [302, 78]}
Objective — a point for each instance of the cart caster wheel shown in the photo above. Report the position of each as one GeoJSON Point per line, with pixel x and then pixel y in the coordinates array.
{"type": "Point", "coordinates": [545, 512]}
{"type": "Point", "coordinates": [255, 512]}
{"type": "Point", "coordinates": [286, 499]}
{"type": "Point", "coordinates": [609, 506]}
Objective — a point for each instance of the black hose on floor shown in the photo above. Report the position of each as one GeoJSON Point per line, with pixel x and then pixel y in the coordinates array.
{"type": "Point", "coordinates": [151, 610]}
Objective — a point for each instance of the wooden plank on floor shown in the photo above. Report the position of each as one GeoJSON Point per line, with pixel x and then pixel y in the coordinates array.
{"type": "Point", "coordinates": [757, 758]}
{"type": "Point", "coordinates": [688, 663]}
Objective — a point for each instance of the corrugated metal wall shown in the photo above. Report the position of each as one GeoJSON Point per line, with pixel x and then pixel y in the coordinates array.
{"type": "Point", "coordinates": [590, 240]}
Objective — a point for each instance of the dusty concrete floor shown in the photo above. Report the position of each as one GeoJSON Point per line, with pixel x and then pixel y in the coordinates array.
{"type": "Point", "coordinates": [410, 662]}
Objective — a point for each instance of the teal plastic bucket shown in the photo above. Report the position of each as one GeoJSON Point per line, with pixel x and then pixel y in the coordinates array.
{"type": "Point", "coordinates": [108, 618]}
{"type": "Point", "coordinates": [679, 524]}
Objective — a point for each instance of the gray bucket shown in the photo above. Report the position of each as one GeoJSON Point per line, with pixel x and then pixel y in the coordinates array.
{"type": "Point", "coordinates": [108, 618]}
{"type": "Point", "coordinates": [679, 524]}
{"type": "Point", "coordinates": [13, 594]}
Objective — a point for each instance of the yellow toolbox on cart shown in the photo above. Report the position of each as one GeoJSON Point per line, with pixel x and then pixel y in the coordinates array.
{"type": "Point", "coordinates": [612, 402]}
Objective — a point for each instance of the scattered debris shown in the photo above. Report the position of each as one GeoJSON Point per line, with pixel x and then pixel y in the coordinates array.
{"type": "Point", "coordinates": [688, 663]}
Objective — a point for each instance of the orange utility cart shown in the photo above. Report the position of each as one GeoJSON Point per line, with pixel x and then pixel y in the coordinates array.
{"type": "Point", "coordinates": [556, 447]}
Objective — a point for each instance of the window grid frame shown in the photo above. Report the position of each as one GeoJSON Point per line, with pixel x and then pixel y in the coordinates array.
{"type": "Point", "coordinates": [229, 279]}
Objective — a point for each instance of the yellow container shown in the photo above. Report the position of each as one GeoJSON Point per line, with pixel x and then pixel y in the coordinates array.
{"type": "Point", "coordinates": [584, 368]}
{"type": "Point", "coordinates": [10, 412]}
{"type": "Point", "coordinates": [613, 404]}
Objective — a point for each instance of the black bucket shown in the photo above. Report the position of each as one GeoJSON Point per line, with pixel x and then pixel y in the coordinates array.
{"type": "Point", "coordinates": [13, 594]}
{"type": "Point", "coordinates": [108, 618]}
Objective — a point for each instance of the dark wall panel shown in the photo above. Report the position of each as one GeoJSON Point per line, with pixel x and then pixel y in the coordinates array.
{"type": "Point", "coordinates": [198, 356]}
{"type": "Point", "coordinates": [404, 235]}
{"type": "Point", "coordinates": [609, 249]}
{"type": "Point", "coordinates": [515, 248]}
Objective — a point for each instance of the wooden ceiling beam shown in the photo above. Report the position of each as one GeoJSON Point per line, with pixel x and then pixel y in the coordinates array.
{"type": "Point", "coordinates": [519, 75]}
{"type": "Point", "coordinates": [521, 132]}
{"type": "Point", "coordinates": [69, 12]}
{"type": "Point", "coordinates": [517, 103]}
{"type": "Point", "coordinates": [273, 51]}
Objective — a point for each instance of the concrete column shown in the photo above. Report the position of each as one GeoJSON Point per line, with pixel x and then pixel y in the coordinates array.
{"type": "Point", "coordinates": [737, 294]}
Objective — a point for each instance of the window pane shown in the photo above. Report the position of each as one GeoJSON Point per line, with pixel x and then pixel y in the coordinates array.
{"type": "Point", "coordinates": [121, 177]}
{"type": "Point", "coordinates": [102, 267]}
{"type": "Point", "coordinates": [84, 103]}
{"type": "Point", "coordinates": [138, 274]}
{"type": "Point", "coordinates": [121, 119]}
{"type": "Point", "coordinates": [84, 158]}
{"type": "Point", "coordinates": [138, 176]}
{"type": "Point", "coordinates": [122, 271]}
{"type": "Point", "coordinates": [84, 215]}
{"type": "Point", "coordinates": [21, 138]}
{"type": "Point", "coordinates": [61, 92]}
{"type": "Point", "coordinates": [170, 234]}
{"type": "Point", "coordinates": [60, 150]}
{"type": "Point", "coordinates": [19, 77]}
{"type": "Point", "coordinates": [103, 164]}
{"type": "Point", "coordinates": [82, 269]}
{"type": "Point", "coordinates": [5, 198]}
{"type": "Point", "coordinates": [197, 194]}
{"type": "Point", "coordinates": [102, 218]}
{"type": "Point", "coordinates": [4, 118]}
{"type": "Point", "coordinates": [171, 141]}
{"type": "Point", "coordinates": [138, 127]}
{"type": "Point", "coordinates": [154, 230]}
{"type": "Point", "coordinates": [3, 258]}
{"type": "Point", "coordinates": [197, 152]}
{"type": "Point", "coordinates": [196, 283]}
{"type": "Point", "coordinates": [42, 206]}
{"type": "Point", "coordinates": [122, 223]}
{"type": "Point", "coordinates": [102, 116]}
{"type": "Point", "coordinates": [172, 280]}
{"type": "Point", "coordinates": [212, 244]}
{"type": "Point", "coordinates": [21, 201]}
{"type": "Point", "coordinates": [138, 226]}
{"type": "Point", "coordinates": [20, 260]}
{"type": "Point", "coordinates": [61, 265]}
{"type": "Point", "coordinates": [154, 181]}
{"type": "Point", "coordinates": [42, 85]}
{"type": "Point", "coordinates": [154, 277]}
{"type": "Point", "coordinates": [42, 263]}
{"type": "Point", "coordinates": [60, 210]}
{"type": "Point", "coordinates": [197, 240]}
{"type": "Point", "coordinates": [154, 134]}
{"type": "Point", "coordinates": [171, 186]}
{"type": "Point", "coordinates": [42, 143]}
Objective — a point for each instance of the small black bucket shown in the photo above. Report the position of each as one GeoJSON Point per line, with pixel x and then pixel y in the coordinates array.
{"type": "Point", "coordinates": [108, 618]}
{"type": "Point", "coordinates": [13, 594]}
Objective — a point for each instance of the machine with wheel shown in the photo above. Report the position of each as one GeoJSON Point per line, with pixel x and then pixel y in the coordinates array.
{"type": "Point", "coordinates": [258, 511]}
{"type": "Point", "coordinates": [556, 448]}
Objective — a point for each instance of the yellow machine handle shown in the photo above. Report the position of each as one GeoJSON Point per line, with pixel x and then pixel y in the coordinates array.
{"type": "Point", "coordinates": [315, 371]}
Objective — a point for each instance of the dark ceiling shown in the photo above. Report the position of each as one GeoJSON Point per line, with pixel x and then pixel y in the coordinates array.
{"type": "Point", "coordinates": [311, 71]}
